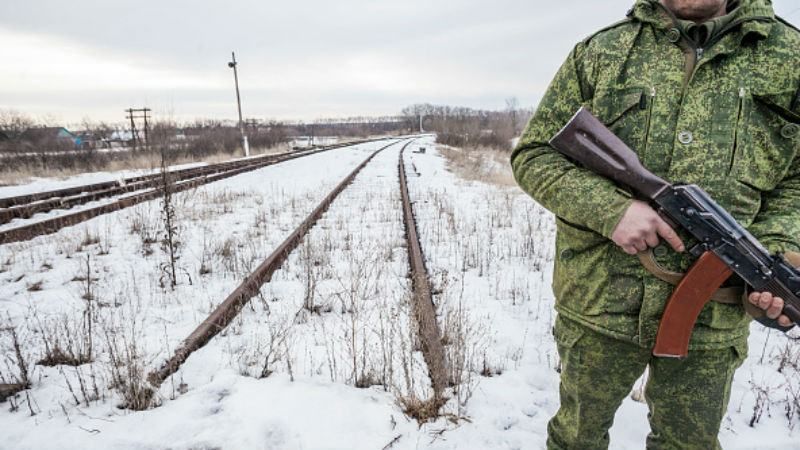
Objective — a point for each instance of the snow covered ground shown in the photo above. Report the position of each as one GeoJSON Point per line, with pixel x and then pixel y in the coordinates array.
{"type": "Point", "coordinates": [325, 354]}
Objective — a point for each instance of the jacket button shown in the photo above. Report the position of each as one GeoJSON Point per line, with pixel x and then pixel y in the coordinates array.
{"type": "Point", "coordinates": [790, 130]}
{"type": "Point", "coordinates": [567, 254]}
{"type": "Point", "coordinates": [674, 35]}
{"type": "Point", "coordinates": [660, 251]}
{"type": "Point", "coordinates": [685, 137]}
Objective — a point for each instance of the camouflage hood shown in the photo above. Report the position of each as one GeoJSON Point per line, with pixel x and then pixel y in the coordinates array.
{"type": "Point", "coordinates": [652, 11]}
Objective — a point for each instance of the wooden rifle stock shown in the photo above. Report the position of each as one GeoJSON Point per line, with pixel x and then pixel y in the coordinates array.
{"type": "Point", "coordinates": [586, 140]}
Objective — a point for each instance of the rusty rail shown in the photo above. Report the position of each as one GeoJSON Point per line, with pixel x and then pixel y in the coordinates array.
{"type": "Point", "coordinates": [230, 307]}
{"type": "Point", "coordinates": [26, 232]}
{"type": "Point", "coordinates": [423, 308]}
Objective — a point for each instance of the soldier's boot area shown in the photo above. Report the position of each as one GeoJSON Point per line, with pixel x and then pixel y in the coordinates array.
{"type": "Point", "coordinates": [687, 398]}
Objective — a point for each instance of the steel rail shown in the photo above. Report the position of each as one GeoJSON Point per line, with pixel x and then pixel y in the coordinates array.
{"type": "Point", "coordinates": [230, 307]}
{"type": "Point", "coordinates": [422, 304]}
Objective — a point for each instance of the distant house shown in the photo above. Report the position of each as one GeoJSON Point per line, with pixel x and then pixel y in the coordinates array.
{"type": "Point", "coordinates": [121, 138]}
{"type": "Point", "coordinates": [87, 141]}
{"type": "Point", "coordinates": [53, 137]}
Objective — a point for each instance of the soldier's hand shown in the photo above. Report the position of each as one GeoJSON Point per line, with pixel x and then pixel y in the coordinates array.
{"type": "Point", "coordinates": [772, 305]}
{"type": "Point", "coordinates": [640, 228]}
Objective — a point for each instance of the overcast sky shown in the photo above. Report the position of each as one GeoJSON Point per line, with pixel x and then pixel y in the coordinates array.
{"type": "Point", "coordinates": [298, 59]}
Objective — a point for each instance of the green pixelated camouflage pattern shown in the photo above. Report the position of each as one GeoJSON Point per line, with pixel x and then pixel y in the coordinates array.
{"type": "Point", "coordinates": [742, 105]}
{"type": "Point", "coordinates": [687, 398]}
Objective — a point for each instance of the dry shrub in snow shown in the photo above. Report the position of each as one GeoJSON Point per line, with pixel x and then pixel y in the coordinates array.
{"type": "Point", "coordinates": [359, 287]}
{"type": "Point", "coordinates": [67, 339]}
{"type": "Point", "coordinates": [123, 338]}
{"type": "Point", "coordinates": [265, 349]}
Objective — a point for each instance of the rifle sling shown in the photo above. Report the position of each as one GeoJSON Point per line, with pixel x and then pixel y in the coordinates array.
{"type": "Point", "coordinates": [727, 295]}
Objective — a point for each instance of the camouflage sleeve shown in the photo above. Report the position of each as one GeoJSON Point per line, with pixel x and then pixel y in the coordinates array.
{"type": "Point", "coordinates": [572, 193]}
{"type": "Point", "coordinates": [777, 224]}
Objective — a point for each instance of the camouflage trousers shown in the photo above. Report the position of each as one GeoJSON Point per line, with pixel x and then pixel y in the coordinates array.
{"type": "Point", "coordinates": [687, 398]}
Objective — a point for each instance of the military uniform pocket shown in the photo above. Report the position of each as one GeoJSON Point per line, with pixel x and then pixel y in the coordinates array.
{"type": "Point", "coordinates": [567, 333]}
{"type": "Point", "coordinates": [580, 272]}
{"type": "Point", "coordinates": [768, 139]}
{"type": "Point", "coordinates": [626, 112]}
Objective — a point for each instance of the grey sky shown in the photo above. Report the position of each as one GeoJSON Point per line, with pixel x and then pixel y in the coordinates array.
{"type": "Point", "coordinates": [299, 59]}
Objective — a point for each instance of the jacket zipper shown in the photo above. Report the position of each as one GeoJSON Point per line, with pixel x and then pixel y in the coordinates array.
{"type": "Point", "coordinates": [739, 112]}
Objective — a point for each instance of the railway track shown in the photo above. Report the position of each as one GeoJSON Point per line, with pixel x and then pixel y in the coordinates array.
{"type": "Point", "coordinates": [423, 307]}
{"type": "Point", "coordinates": [422, 296]}
{"type": "Point", "coordinates": [142, 188]}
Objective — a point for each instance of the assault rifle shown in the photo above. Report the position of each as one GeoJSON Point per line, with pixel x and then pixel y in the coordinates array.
{"type": "Point", "coordinates": [724, 247]}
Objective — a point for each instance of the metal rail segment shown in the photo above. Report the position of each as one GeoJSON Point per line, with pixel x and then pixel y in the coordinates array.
{"type": "Point", "coordinates": [422, 299]}
{"type": "Point", "coordinates": [230, 307]}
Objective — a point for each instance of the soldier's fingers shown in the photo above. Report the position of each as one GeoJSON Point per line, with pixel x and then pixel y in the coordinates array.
{"type": "Point", "coordinates": [669, 235]}
{"type": "Point", "coordinates": [775, 308]}
{"type": "Point", "coordinates": [785, 321]}
{"type": "Point", "coordinates": [651, 239]}
{"type": "Point", "coordinates": [629, 249]}
{"type": "Point", "coordinates": [754, 297]}
{"type": "Point", "coordinates": [765, 300]}
{"type": "Point", "coordinates": [640, 245]}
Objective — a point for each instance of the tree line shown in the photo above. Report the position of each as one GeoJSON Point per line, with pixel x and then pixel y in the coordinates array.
{"type": "Point", "coordinates": [467, 127]}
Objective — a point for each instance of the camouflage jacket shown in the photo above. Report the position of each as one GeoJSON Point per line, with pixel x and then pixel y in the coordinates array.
{"type": "Point", "coordinates": [726, 117]}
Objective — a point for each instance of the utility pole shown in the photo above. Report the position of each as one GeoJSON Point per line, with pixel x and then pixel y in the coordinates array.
{"type": "Point", "coordinates": [133, 127]}
{"type": "Point", "coordinates": [233, 65]}
{"type": "Point", "coordinates": [132, 115]}
{"type": "Point", "coordinates": [145, 112]}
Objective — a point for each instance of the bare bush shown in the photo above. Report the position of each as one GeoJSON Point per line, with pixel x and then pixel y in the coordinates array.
{"type": "Point", "coordinates": [67, 339]}
{"type": "Point", "coordinates": [269, 345]}
{"type": "Point", "coordinates": [170, 242]}
{"type": "Point", "coordinates": [123, 335]}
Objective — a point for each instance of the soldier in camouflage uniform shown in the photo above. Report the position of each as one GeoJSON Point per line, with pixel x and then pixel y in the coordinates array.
{"type": "Point", "coordinates": [705, 97]}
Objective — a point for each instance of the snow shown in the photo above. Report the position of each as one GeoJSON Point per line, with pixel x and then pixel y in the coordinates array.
{"type": "Point", "coordinates": [336, 315]}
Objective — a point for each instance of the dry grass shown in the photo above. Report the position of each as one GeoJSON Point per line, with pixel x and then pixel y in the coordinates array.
{"type": "Point", "coordinates": [483, 164]}
{"type": "Point", "coordinates": [422, 410]}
